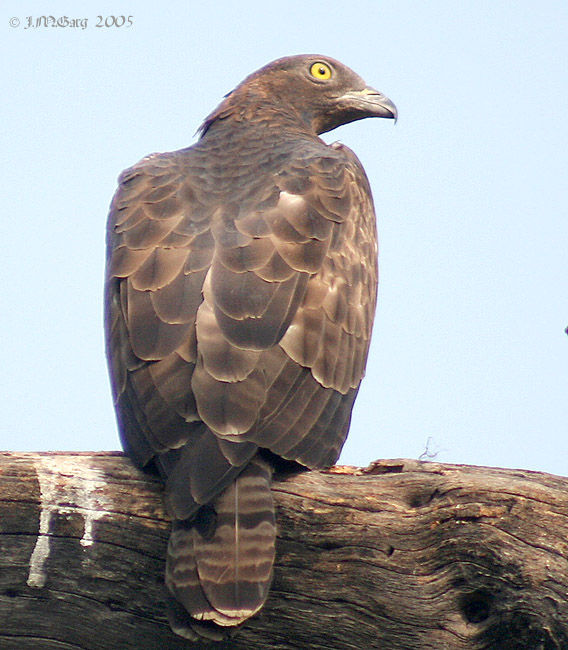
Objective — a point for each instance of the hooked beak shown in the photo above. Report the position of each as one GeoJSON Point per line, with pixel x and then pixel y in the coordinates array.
{"type": "Point", "coordinates": [370, 102]}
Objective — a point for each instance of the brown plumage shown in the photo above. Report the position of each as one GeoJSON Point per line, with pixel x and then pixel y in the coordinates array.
{"type": "Point", "coordinates": [240, 295]}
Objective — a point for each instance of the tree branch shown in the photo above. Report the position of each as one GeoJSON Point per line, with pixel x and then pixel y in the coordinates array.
{"type": "Point", "coordinates": [403, 554]}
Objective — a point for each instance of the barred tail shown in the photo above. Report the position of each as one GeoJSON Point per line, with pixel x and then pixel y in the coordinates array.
{"type": "Point", "coordinates": [219, 565]}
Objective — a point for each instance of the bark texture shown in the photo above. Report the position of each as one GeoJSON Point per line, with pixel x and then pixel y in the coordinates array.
{"type": "Point", "coordinates": [400, 555]}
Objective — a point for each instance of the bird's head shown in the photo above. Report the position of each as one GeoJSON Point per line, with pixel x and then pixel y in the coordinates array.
{"type": "Point", "coordinates": [321, 91]}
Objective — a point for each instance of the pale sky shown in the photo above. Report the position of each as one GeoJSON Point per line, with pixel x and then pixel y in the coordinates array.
{"type": "Point", "coordinates": [470, 187]}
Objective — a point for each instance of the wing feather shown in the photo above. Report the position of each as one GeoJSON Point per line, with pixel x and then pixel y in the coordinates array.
{"type": "Point", "coordinates": [252, 315]}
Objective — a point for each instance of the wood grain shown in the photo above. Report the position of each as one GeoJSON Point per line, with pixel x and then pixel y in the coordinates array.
{"type": "Point", "coordinates": [402, 554]}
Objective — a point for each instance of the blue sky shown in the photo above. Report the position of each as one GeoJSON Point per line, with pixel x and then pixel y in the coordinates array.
{"type": "Point", "coordinates": [469, 348]}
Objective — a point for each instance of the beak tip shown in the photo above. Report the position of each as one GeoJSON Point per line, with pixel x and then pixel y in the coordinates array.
{"type": "Point", "coordinates": [385, 107]}
{"type": "Point", "coordinates": [389, 106]}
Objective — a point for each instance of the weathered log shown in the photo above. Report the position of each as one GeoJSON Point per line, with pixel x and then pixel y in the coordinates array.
{"type": "Point", "coordinates": [401, 555]}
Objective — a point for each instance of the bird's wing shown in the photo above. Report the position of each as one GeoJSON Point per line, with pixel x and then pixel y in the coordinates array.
{"type": "Point", "coordinates": [321, 358]}
{"type": "Point", "coordinates": [158, 254]}
{"type": "Point", "coordinates": [331, 330]}
{"type": "Point", "coordinates": [217, 309]}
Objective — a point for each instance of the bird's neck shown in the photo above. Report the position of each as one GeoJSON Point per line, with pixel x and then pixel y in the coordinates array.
{"type": "Point", "coordinates": [258, 116]}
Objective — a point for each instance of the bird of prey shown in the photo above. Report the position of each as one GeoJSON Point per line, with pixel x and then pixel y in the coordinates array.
{"type": "Point", "coordinates": [240, 294]}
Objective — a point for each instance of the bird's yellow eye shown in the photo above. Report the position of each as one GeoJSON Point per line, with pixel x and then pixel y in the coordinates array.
{"type": "Point", "coordinates": [320, 70]}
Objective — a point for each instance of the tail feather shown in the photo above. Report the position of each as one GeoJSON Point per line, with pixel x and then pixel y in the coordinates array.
{"type": "Point", "coordinates": [219, 566]}
{"type": "Point", "coordinates": [191, 482]}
